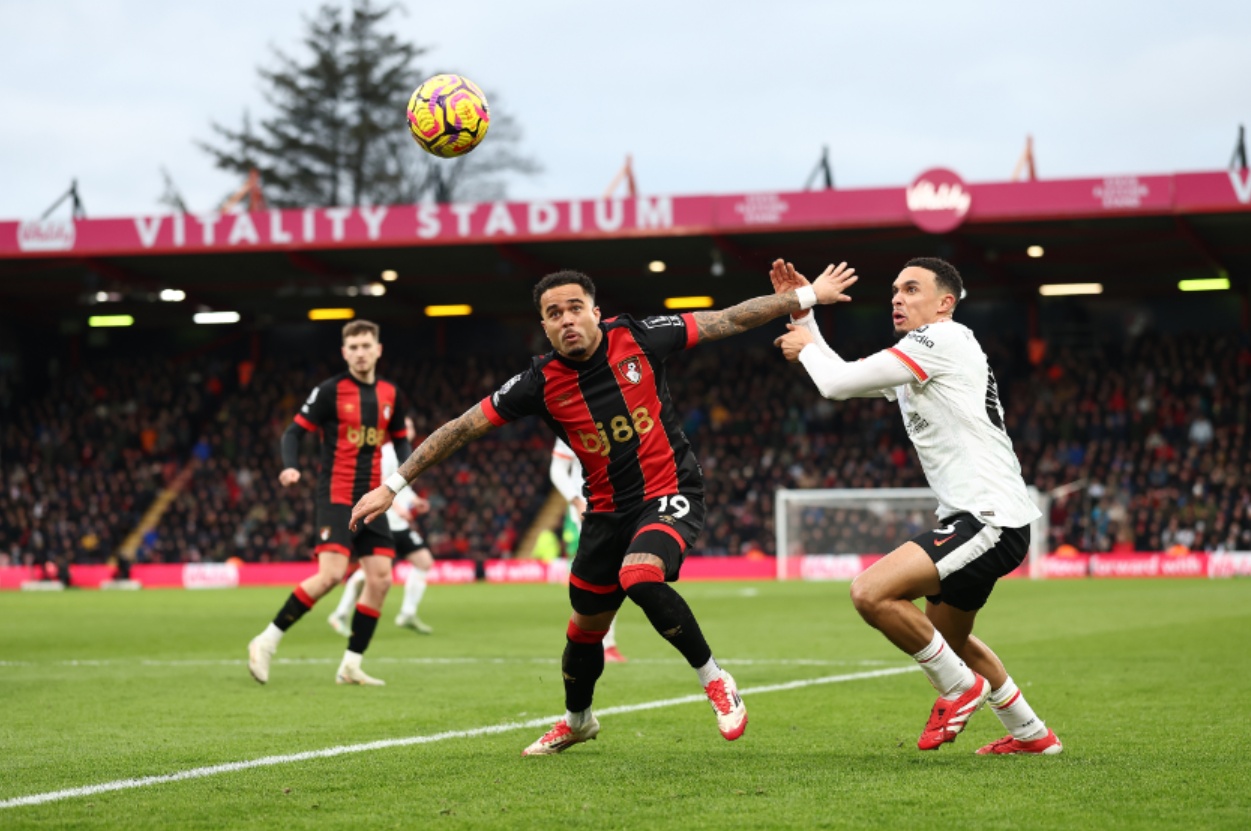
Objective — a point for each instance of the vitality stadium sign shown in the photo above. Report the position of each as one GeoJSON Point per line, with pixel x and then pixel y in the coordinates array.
{"type": "Point", "coordinates": [938, 201]}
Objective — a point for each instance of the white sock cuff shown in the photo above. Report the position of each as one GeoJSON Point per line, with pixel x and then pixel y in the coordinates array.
{"type": "Point", "coordinates": [936, 645]}
{"type": "Point", "coordinates": [709, 672]}
{"type": "Point", "coordinates": [1005, 693]}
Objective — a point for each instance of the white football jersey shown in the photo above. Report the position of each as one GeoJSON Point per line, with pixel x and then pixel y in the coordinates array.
{"type": "Point", "coordinates": [390, 463]}
{"type": "Point", "coordinates": [952, 414]}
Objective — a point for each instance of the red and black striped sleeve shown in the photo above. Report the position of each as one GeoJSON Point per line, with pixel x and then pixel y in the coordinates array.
{"type": "Point", "coordinates": [520, 396]}
{"type": "Point", "coordinates": [662, 335]}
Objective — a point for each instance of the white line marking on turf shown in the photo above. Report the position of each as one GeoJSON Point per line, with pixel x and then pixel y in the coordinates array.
{"type": "Point", "coordinates": [383, 744]}
{"type": "Point", "coordinates": [205, 662]}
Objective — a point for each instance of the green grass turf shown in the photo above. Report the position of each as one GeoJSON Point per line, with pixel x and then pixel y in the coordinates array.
{"type": "Point", "coordinates": [1147, 683]}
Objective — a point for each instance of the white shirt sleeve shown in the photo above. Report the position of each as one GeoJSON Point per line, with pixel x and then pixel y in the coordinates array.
{"type": "Point", "coordinates": [809, 322]}
{"type": "Point", "coordinates": [566, 471]}
{"type": "Point", "coordinates": [875, 376]}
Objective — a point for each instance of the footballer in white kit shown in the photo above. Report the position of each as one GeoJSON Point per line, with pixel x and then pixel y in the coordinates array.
{"type": "Point", "coordinates": [949, 401]}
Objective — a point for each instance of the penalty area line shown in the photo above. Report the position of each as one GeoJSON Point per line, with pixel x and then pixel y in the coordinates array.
{"type": "Point", "coordinates": [384, 744]}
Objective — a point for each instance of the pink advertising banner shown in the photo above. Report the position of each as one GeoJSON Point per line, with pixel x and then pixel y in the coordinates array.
{"type": "Point", "coordinates": [937, 201]}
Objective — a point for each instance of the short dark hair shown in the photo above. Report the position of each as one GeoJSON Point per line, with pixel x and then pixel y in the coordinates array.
{"type": "Point", "coordinates": [945, 275]}
{"type": "Point", "coordinates": [362, 327]}
{"type": "Point", "coordinates": [563, 278]}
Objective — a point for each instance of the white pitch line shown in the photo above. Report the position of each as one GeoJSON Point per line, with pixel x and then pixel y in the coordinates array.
{"type": "Point", "coordinates": [383, 744]}
{"type": "Point", "coordinates": [205, 662]}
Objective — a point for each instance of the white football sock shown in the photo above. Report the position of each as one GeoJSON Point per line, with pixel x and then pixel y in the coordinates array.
{"type": "Point", "coordinates": [577, 721]}
{"type": "Point", "coordinates": [943, 667]}
{"type": "Point", "coordinates": [709, 672]}
{"type": "Point", "coordinates": [610, 640]}
{"type": "Point", "coordinates": [414, 588]}
{"type": "Point", "coordinates": [351, 660]}
{"type": "Point", "coordinates": [351, 594]}
{"type": "Point", "coordinates": [1015, 713]}
{"type": "Point", "coordinates": [272, 634]}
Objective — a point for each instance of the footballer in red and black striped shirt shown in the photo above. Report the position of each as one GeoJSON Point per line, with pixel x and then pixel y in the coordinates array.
{"type": "Point", "coordinates": [354, 413]}
{"type": "Point", "coordinates": [603, 390]}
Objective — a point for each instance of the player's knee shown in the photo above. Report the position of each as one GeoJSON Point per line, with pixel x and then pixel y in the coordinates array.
{"type": "Point", "coordinates": [640, 574]}
{"type": "Point", "coordinates": [381, 580]}
{"type": "Point", "coordinates": [865, 600]}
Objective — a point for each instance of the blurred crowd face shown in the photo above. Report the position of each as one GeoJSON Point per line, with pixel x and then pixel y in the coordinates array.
{"type": "Point", "coordinates": [916, 300]}
{"type": "Point", "coordinates": [570, 321]}
{"type": "Point", "coordinates": [362, 353]}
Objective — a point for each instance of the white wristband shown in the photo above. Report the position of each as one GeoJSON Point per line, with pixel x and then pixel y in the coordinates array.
{"type": "Point", "coordinates": [396, 482]}
{"type": "Point", "coordinates": [807, 297]}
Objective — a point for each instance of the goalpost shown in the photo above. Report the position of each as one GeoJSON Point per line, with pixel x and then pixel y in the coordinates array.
{"type": "Point", "coordinates": [823, 533]}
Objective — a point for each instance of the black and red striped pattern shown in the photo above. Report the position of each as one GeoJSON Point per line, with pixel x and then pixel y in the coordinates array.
{"type": "Point", "coordinates": [614, 410]}
{"type": "Point", "coordinates": [355, 420]}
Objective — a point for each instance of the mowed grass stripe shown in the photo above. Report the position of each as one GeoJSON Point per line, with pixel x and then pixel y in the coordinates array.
{"type": "Point", "coordinates": [384, 744]}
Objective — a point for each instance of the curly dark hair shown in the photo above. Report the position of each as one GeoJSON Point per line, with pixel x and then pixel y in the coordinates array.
{"type": "Point", "coordinates": [945, 275]}
{"type": "Point", "coordinates": [565, 277]}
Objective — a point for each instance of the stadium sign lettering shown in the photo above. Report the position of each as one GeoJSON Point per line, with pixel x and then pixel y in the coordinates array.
{"type": "Point", "coordinates": [376, 223]}
{"type": "Point", "coordinates": [1241, 180]}
{"type": "Point", "coordinates": [46, 235]}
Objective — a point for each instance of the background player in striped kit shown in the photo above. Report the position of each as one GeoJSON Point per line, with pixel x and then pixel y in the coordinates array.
{"type": "Point", "coordinates": [355, 413]}
{"type": "Point", "coordinates": [409, 544]}
{"type": "Point", "coordinates": [603, 389]}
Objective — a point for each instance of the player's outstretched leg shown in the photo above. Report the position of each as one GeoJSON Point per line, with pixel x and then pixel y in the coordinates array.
{"type": "Point", "coordinates": [961, 692]}
{"type": "Point", "coordinates": [1027, 734]}
{"type": "Point", "coordinates": [581, 666]}
{"type": "Point", "coordinates": [670, 615]}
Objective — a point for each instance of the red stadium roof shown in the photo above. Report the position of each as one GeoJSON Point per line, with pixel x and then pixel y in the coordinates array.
{"type": "Point", "coordinates": [1133, 233]}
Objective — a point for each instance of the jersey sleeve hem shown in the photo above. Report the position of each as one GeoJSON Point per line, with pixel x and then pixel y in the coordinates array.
{"type": "Point", "coordinates": [492, 414]}
{"type": "Point", "coordinates": [911, 364]}
{"type": "Point", "coordinates": [305, 423]}
{"type": "Point", "coordinates": [692, 330]}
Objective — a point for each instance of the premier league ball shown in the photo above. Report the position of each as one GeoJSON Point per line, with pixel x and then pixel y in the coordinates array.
{"type": "Point", "coordinates": [448, 116]}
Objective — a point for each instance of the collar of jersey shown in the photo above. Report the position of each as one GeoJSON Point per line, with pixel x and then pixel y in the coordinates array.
{"type": "Point", "coordinates": [600, 355]}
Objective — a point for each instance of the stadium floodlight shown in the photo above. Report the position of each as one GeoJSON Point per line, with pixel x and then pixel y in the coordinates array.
{"type": "Point", "coordinates": [1205, 284]}
{"type": "Point", "coordinates": [173, 295]}
{"type": "Point", "coordinates": [375, 289]}
{"type": "Point", "coordinates": [108, 321]}
{"type": "Point", "coordinates": [331, 314]}
{"type": "Point", "coordinates": [656, 266]}
{"type": "Point", "coordinates": [390, 275]}
{"type": "Point", "coordinates": [215, 317]}
{"type": "Point", "coordinates": [450, 310]}
{"type": "Point", "coordinates": [703, 302]}
{"type": "Point", "coordinates": [1035, 251]}
{"type": "Point", "coordinates": [1064, 289]}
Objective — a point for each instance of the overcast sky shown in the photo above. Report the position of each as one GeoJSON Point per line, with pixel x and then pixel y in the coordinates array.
{"type": "Point", "coordinates": [725, 97]}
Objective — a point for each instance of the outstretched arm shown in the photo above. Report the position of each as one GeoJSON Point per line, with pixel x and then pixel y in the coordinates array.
{"type": "Point", "coordinates": [445, 441]}
{"type": "Point", "coordinates": [749, 314]}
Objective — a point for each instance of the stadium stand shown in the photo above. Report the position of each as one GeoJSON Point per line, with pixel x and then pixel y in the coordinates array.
{"type": "Point", "coordinates": [1155, 425]}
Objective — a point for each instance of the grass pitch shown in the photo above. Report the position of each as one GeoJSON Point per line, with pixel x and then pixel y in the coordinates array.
{"type": "Point", "coordinates": [1146, 682]}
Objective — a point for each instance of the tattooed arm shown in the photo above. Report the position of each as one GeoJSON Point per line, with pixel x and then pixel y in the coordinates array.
{"type": "Point", "coordinates": [445, 441]}
{"type": "Point", "coordinates": [746, 315]}
{"type": "Point", "coordinates": [749, 314]}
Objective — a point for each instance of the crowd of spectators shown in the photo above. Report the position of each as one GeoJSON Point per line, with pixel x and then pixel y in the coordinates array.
{"type": "Point", "coordinates": [1150, 433]}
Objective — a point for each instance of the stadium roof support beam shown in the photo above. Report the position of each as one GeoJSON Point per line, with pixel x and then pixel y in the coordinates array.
{"type": "Point", "coordinates": [1210, 257]}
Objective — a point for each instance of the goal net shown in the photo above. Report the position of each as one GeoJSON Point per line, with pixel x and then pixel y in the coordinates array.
{"type": "Point", "coordinates": [830, 534]}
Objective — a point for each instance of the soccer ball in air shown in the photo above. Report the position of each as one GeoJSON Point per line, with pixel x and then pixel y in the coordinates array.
{"type": "Point", "coordinates": [448, 115]}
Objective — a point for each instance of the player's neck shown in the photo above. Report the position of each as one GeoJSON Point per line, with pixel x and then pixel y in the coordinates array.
{"type": "Point", "coordinates": [365, 378]}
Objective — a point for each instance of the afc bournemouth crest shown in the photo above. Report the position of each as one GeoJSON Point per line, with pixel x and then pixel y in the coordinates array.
{"type": "Point", "coordinates": [386, 412]}
{"type": "Point", "coordinates": [324, 533]}
{"type": "Point", "coordinates": [631, 369]}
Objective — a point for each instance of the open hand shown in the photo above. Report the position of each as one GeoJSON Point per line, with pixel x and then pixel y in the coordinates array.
{"type": "Point", "coordinates": [288, 477]}
{"type": "Point", "coordinates": [833, 282]}
{"type": "Point", "coordinates": [785, 278]}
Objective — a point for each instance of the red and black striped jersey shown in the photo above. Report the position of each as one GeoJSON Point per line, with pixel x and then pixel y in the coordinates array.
{"type": "Point", "coordinates": [355, 420]}
{"type": "Point", "coordinates": [614, 410]}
